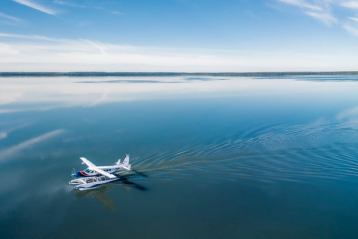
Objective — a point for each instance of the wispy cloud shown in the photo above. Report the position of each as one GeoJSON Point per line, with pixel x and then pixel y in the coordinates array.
{"type": "Point", "coordinates": [350, 4]}
{"type": "Point", "coordinates": [70, 4]}
{"type": "Point", "coordinates": [341, 13]}
{"type": "Point", "coordinates": [118, 13]}
{"type": "Point", "coordinates": [73, 4]}
{"type": "Point", "coordinates": [353, 19]}
{"type": "Point", "coordinates": [10, 18]}
{"type": "Point", "coordinates": [320, 10]}
{"type": "Point", "coordinates": [303, 4]}
{"type": "Point", "coordinates": [16, 149]}
{"type": "Point", "coordinates": [83, 54]}
{"type": "Point", "coordinates": [36, 6]}
{"type": "Point", "coordinates": [323, 16]}
{"type": "Point", "coordinates": [29, 37]}
{"type": "Point", "coordinates": [41, 53]}
{"type": "Point", "coordinates": [351, 28]}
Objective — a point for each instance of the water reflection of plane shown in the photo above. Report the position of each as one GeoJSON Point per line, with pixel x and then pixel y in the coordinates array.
{"type": "Point", "coordinates": [101, 193]}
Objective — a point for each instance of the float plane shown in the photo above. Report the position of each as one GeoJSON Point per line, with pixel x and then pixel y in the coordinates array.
{"type": "Point", "coordinates": [94, 176]}
{"type": "Point", "coordinates": [90, 172]}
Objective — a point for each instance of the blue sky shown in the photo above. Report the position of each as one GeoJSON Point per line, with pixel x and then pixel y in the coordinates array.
{"type": "Point", "coordinates": [178, 35]}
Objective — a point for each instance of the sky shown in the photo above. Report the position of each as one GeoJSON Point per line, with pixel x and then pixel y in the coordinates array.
{"type": "Point", "coordinates": [179, 35]}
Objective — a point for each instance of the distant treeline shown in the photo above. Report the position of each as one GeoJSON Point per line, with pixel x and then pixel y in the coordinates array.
{"type": "Point", "coordinates": [159, 74]}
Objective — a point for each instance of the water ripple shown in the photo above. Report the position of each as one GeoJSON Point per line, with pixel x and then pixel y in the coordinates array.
{"type": "Point", "coordinates": [271, 153]}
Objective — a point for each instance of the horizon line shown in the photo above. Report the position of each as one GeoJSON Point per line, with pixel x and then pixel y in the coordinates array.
{"type": "Point", "coordinates": [162, 73]}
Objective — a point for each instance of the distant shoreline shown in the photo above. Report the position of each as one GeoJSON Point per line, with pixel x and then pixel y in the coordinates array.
{"type": "Point", "coordinates": [163, 74]}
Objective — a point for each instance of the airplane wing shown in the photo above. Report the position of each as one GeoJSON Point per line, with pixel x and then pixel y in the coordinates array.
{"type": "Point", "coordinates": [87, 162]}
{"type": "Point", "coordinates": [104, 173]}
{"type": "Point", "coordinates": [95, 168]}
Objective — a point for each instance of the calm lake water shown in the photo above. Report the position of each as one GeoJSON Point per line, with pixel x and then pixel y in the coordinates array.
{"type": "Point", "coordinates": [215, 156]}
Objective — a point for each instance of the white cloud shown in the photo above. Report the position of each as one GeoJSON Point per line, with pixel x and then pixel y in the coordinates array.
{"type": "Point", "coordinates": [29, 37]}
{"type": "Point", "coordinates": [36, 6]}
{"type": "Point", "coordinates": [331, 12]}
{"type": "Point", "coordinates": [41, 53]}
{"type": "Point", "coordinates": [7, 49]}
{"type": "Point", "coordinates": [351, 29]}
{"type": "Point", "coordinates": [323, 16]}
{"type": "Point", "coordinates": [320, 10]}
{"type": "Point", "coordinates": [10, 18]}
{"type": "Point", "coordinates": [350, 4]}
{"type": "Point", "coordinates": [353, 19]}
{"type": "Point", "coordinates": [351, 25]}
{"type": "Point", "coordinates": [69, 4]}
{"type": "Point", "coordinates": [303, 4]}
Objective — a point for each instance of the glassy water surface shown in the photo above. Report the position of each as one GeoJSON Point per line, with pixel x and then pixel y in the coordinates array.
{"type": "Point", "coordinates": [215, 157]}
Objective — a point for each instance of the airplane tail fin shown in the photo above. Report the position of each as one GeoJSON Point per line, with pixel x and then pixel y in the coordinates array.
{"type": "Point", "coordinates": [126, 160]}
{"type": "Point", "coordinates": [125, 163]}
